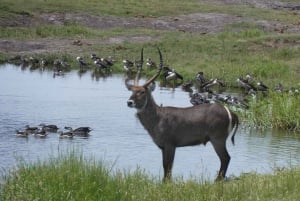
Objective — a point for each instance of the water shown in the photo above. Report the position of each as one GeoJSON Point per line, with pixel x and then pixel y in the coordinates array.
{"type": "Point", "coordinates": [118, 138]}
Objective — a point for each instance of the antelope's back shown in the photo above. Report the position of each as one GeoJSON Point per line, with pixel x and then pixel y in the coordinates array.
{"type": "Point", "coordinates": [207, 115]}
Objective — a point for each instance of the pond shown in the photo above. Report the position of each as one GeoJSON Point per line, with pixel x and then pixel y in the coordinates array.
{"type": "Point", "coordinates": [34, 97]}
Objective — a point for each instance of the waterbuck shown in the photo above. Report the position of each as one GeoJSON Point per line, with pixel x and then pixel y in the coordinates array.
{"type": "Point", "coordinates": [172, 127]}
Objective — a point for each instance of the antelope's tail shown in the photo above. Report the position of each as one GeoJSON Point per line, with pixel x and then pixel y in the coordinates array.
{"type": "Point", "coordinates": [235, 125]}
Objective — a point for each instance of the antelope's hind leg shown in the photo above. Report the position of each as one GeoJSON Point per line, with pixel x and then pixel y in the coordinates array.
{"type": "Point", "coordinates": [221, 150]}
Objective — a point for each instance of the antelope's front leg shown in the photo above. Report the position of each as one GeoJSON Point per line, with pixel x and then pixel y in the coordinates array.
{"type": "Point", "coordinates": [168, 153]}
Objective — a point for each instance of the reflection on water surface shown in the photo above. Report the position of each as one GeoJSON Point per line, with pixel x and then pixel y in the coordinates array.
{"type": "Point", "coordinates": [117, 137]}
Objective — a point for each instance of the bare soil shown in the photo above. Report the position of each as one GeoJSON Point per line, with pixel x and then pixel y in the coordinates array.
{"type": "Point", "coordinates": [202, 23]}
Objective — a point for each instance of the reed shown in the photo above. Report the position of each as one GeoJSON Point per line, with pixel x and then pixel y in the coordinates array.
{"type": "Point", "coordinates": [276, 111]}
{"type": "Point", "coordinates": [72, 177]}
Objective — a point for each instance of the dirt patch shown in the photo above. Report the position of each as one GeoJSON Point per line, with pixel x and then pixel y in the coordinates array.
{"type": "Point", "coordinates": [196, 23]}
{"type": "Point", "coordinates": [260, 4]}
{"type": "Point", "coordinates": [199, 23]}
{"type": "Point", "coordinates": [70, 46]}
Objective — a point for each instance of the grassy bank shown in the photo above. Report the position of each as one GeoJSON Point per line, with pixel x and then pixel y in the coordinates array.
{"type": "Point", "coordinates": [71, 177]}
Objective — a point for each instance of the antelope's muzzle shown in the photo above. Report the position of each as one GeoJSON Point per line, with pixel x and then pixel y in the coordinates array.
{"type": "Point", "coordinates": [130, 103]}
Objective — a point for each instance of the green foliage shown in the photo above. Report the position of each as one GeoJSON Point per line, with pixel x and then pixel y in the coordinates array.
{"type": "Point", "coordinates": [276, 111]}
{"type": "Point", "coordinates": [72, 177]}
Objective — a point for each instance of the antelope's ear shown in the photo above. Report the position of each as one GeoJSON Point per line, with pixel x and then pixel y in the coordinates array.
{"type": "Point", "coordinates": [151, 86]}
{"type": "Point", "coordinates": [128, 84]}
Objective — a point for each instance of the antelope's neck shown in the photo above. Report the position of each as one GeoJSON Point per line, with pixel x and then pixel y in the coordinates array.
{"type": "Point", "coordinates": [149, 115]}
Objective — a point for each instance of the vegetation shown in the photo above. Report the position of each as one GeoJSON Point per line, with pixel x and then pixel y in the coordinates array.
{"type": "Point", "coordinates": [275, 111]}
{"type": "Point", "coordinates": [72, 177]}
{"type": "Point", "coordinates": [242, 48]}
{"type": "Point", "coordinates": [131, 8]}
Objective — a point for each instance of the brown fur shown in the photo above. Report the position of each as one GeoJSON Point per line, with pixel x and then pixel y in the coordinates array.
{"type": "Point", "coordinates": [172, 127]}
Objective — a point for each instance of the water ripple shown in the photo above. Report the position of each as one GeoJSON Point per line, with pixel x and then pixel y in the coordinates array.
{"type": "Point", "coordinates": [117, 137]}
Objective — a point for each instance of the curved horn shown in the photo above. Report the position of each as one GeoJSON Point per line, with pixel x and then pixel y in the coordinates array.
{"type": "Point", "coordinates": [139, 68]}
{"type": "Point", "coordinates": [158, 71]}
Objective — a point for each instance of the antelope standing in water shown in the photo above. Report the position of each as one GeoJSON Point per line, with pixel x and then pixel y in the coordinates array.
{"type": "Point", "coordinates": [172, 127]}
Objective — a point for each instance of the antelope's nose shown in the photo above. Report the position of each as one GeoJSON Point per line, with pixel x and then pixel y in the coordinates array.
{"type": "Point", "coordinates": [130, 103]}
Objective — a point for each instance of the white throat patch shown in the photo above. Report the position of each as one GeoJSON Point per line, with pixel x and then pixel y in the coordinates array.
{"type": "Point", "coordinates": [144, 106]}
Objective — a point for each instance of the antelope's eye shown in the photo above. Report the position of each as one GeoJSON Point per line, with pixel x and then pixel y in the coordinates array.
{"type": "Point", "coordinates": [141, 92]}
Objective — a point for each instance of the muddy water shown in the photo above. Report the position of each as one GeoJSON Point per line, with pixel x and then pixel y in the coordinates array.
{"type": "Point", "coordinates": [118, 138]}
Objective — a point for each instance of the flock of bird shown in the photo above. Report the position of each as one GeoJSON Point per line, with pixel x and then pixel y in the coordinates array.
{"type": "Point", "coordinates": [203, 90]}
{"type": "Point", "coordinates": [42, 131]}
{"type": "Point", "coordinates": [200, 88]}
{"type": "Point", "coordinates": [101, 67]}
{"type": "Point", "coordinates": [248, 89]}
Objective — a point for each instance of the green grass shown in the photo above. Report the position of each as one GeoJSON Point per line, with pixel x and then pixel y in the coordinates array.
{"type": "Point", "coordinates": [68, 31]}
{"type": "Point", "coordinates": [104, 7]}
{"type": "Point", "coordinates": [72, 177]}
{"type": "Point", "coordinates": [140, 8]}
{"type": "Point", "coordinates": [45, 32]}
{"type": "Point", "coordinates": [276, 111]}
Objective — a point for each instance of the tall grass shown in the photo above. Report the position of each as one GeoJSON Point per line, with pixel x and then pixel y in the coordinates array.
{"type": "Point", "coordinates": [72, 177]}
{"type": "Point", "coordinates": [276, 111]}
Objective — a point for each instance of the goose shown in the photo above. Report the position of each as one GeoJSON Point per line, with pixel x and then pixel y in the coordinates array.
{"type": "Point", "coordinates": [293, 91]}
{"type": "Point", "coordinates": [200, 78]}
{"type": "Point", "coordinates": [49, 128]}
{"type": "Point", "coordinates": [100, 63]}
{"type": "Point", "coordinates": [94, 57]}
{"type": "Point", "coordinates": [279, 88]}
{"type": "Point", "coordinates": [171, 74]}
{"type": "Point", "coordinates": [80, 131]}
{"type": "Point", "coordinates": [40, 133]}
{"type": "Point", "coordinates": [81, 62]}
{"type": "Point", "coordinates": [43, 62]}
{"type": "Point", "coordinates": [128, 65]}
{"type": "Point", "coordinates": [187, 86]}
{"type": "Point", "coordinates": [64, 64]}
{"type": "Point", "coordinates": [67, 134]}
{"type": "Point", "coordinates": [150, 63]}
{"type": "Point", "coordinates": [108, 61]}
{"type": "Point", "coordinates": [199, 98]}
{"type": "Point", "coordinates": [33, 61]}
{"type": "Point", "coordinates": [261, 86]}
{"type": "Point", "coordinates": [30, 129]}
{"type": "Point", "coordinates": [21, 133]}
{"type": "Point", "coordinates": [213, 82]}
{"type": "Point", "coordinates": [244, 83]}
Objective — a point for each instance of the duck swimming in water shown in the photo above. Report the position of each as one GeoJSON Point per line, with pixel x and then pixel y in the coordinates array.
{"type": "Point", "coordinates": [21, 133]}
{"type": "Point", "coordinates": [81, 131]}
{"type": "Point", "coordinates": [49, 128]}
